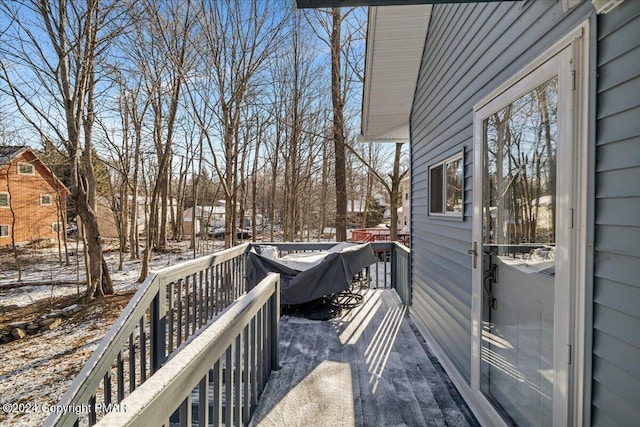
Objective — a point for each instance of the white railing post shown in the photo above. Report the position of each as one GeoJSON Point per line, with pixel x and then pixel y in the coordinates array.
{"type": "Point", "coordinates": [275, 327]}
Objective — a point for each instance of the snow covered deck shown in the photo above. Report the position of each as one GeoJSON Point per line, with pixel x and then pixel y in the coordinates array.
{"type": "Point", "coordinates": [369, 367]}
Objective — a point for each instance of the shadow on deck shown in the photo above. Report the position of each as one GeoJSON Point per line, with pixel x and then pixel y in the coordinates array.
{"type": "Point", "coordinates": [369, 367]}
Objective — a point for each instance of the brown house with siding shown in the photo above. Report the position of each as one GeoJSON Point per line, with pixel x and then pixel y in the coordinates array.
{"type": "Point", "coordinates": [32, 199]}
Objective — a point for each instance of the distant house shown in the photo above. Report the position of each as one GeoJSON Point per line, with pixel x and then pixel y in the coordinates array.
{"type": "Point", "coordinates": [211, 216]}
{"type": "Point", "coordinates": [32, 199]}
{"type": "Point", "coordinates": [108, 211]}
{"type": "Point", "coordinates": [404, 210]}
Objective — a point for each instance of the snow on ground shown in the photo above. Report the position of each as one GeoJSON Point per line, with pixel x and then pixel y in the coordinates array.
{"type": "Point", "coordinates": [36, 370]}
{"type": "Point", "coordinates": [47, 269]}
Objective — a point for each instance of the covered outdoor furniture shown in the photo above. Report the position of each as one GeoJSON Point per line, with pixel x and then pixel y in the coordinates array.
{"type": "Point", "coordinates": [306, 277]}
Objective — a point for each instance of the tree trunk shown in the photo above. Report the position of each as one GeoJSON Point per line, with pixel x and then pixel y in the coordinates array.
{"type": "Point", "coordinates": [254, 182]}
{"type": "Point", "coordinates": [395, 189]}
{"type": "Point", "coordinates": [14, 247]}
{"type": "Point", "coordinates": [338, 129]}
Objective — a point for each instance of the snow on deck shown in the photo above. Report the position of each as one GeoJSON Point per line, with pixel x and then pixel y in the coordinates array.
{"type": "Point", "coordinates": [367, 368]}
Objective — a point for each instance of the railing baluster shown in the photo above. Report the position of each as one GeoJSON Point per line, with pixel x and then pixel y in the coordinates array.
{"type": "Point", "coordinates": [170, 314]}
{"type": "Point", "coordinates": [143, 351]}
{"type": "Point", "coordinates": [266, 343]}
{"type": "Point", "coordinates": [227, 284]}
{"type": "Point", "coordinates": [274, 323]}
{"type": "Point", "coordinates": [229, 281]}
{"type": "Point", "coordinates": [237, 381]}
{"type": "Point", "coordinates": [206, 296]}
{"type": "Point", "coordinates": [217, 394]}
{"type": "Point", "coordinates": [93, 409]}
{"type": "Point", "coordinates": [187, 305]}
{"type": "Point", "coordinates": [213, 291]}
{"type": "Point", "coordinates": [217, 289]}
{"type": "Point", "coordinates": [228, 381]}
{"type": "Point", "coordinates": [246, 370]}
{"type": "Point", "coordinates": [203, 401]}
{"type": "Point", "coordinates": [194, 320]}
{"type": "Point", "coordinates": [386, 255]}
{"type": "Point", "coordinates": [132, 364]}
{"type": "Point", "coordinates": [378, 273]}
{"type": "Point", "coordinates": [203, 299]}
{"type": "Point", "coordinates": [119, 378]}
{"type": "Point", "coordinates": [244, 273]}
{"type": "Point", "coordinates": [260, 352]}
{"type": "Point", "coordinates": [253, 348]}
{"type": "Point", "coordinates": [234, 288]}
{"type": "Point", "coordinates": [223, 286]}
{"type": "Point", "coordinates": [157, 325]}
{"type": "Point", "coordinates": [179, 325]}
{"type": "Point", "coordinates": [185, 412]}
{"type": "Point", "coordinates": [107, 388]}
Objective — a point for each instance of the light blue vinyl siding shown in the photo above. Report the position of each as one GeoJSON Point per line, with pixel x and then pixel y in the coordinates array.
{"type": "Point", "coordinates": [616, 292]}
{"type": "Point", "coordinates": [470, 50]}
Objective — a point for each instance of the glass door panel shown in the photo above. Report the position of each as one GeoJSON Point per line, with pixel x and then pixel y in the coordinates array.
{"type": "Point", "coordinates": [518, 256]}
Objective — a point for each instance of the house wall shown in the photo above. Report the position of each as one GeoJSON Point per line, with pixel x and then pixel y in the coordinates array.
{"type": "Point", "coordinates": [616, 283]}
{"type": "Point", "coordinates": [33, 220]}
{"type": "Point", "coordinates": [404, 216]}
{"type": "Point", "coordinates": [470, 50]}
{"type": "Point", "coordinates": [106, 219]}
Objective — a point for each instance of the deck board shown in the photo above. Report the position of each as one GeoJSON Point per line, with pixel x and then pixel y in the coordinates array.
{"type": "Point", "coordinates": [367, 368]}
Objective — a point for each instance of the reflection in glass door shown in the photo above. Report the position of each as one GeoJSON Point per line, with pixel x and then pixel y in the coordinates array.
{"type": "Point", "coordinates": [518, 256]}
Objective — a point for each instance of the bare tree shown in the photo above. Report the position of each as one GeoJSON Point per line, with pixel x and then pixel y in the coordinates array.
{"type": "Point", "coordinates": [53, 80]}
{"type": "Point", "coordinates": [238, 38]}
{"type": "Point", "coordinates": [337, 101]}
{"type": "Point", "coordinates": [14, 247]}
{"type": "Point", "coordinates": [344, 72]}
{"type": "Point", "coordinates": [392, 185]}
{"type": "Point", "coordinates": [160, 52]}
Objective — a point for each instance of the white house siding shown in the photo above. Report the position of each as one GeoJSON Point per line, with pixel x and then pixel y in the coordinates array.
{"type": "Point", "coordinates": [470, 50]}
{"type": "Point", "coordinates": [616, 283]}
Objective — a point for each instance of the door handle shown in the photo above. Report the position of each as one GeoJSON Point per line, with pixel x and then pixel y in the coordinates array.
{"type": "Point", "coordinates": [474, 252]}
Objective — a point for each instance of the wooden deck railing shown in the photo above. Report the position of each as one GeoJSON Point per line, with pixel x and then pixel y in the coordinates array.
{"type": "Point", "coordinates": [169, 307]}
{"type": "Point", "coordinates": [176, 303]}
{"type": "Point", "coordinates": [366, 235]}
{"type": "Point", "coordinates": [228, 363]}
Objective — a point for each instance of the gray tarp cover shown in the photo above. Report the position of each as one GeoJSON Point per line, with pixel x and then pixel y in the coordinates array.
{"type": "Point", "coordinates": [305, 277]}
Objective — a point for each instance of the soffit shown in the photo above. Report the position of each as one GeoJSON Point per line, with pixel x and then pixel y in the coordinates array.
{"type": "Point", "coordinates": [395, 40]}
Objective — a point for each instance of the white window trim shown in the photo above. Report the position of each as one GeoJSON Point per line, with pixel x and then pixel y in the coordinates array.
{"type": "Point", "coordinates": [33, 168]}
{"type": "Point", "coordinates": [50, 200]}
{"type": "Point", "coordinates": [580, 370]}
{"type": "Point", "coordinates": [458, 156]}
{"type": "Point", "coordinates": [8, 200]}
{"type": "Point", "coordinates": [8, 231]}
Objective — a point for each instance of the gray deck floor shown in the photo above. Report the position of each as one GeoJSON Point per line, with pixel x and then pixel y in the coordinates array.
{"type": "Point", "coordinates": [369, 367]}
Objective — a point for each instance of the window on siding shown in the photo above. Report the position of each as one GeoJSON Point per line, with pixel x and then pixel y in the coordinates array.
{"type": "Point", "coordinates": [4, 200]}
{"type": "Point", "coordinates": [25, 169]}
{"type": "Point", "coordinates": [45, 199]}
{"type": "Point", "coordinates": [4, 231]}
{"type": "Point", "coordinates": [446, 180]}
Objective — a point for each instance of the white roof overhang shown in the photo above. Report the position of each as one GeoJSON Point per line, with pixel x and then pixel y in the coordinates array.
{"type": "Point", "coordinates": [395, 41]}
